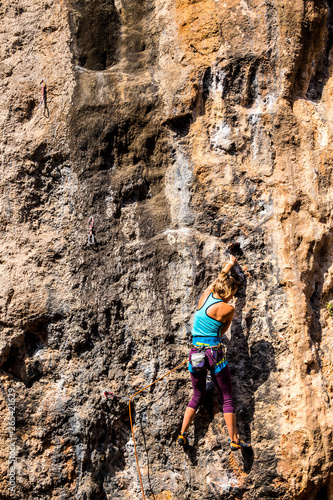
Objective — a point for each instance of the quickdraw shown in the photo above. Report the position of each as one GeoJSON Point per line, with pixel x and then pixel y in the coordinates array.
{"type": "Point", "coordinates": [108, 393]}
{"type": "Point", "coordinates": [91, 237]}
{"type": "Point", "coordinates": [42, 92]}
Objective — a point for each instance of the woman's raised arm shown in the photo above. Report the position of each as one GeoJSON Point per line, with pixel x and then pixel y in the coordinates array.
{"type": "Point", "coordinates": [229, 265]}
{"type": "Point", "coordinates": [226, 268]}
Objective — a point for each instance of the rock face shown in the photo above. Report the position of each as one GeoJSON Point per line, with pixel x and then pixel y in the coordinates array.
{"type": "Point", "coordinates": [186, 128]}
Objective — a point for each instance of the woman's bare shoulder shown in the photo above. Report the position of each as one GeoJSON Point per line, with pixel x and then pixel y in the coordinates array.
{"type": "Point", "coordinates": [227, 309]}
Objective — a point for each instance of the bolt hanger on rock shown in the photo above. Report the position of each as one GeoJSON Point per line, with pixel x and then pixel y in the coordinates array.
{"type": "Point", "coordinates": [91, 237]}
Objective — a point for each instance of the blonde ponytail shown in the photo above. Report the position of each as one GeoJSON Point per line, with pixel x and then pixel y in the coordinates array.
{"type": "Point", "coordinates": [225, 285]}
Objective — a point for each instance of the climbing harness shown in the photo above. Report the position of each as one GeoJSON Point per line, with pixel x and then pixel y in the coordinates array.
{"type": "Point", "coordinates": [42, 93]}
{"type": "Point", "coordinates": [130, 415]}
{"type": "Point", "coordinates": [213, 353]}
{"type": "Point", "coordinates": [91, 237]}
{"type": "Point", "coordinates": [197, 359]}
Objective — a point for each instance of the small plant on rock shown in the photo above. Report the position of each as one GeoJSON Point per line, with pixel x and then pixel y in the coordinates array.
{"type": "Point", "coordinates": [329, 307]}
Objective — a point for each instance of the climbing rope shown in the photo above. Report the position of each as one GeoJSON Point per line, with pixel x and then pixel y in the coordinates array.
{"type": "Point", "coordinates": [91, 238]}
{"type": "Point", "coordinates": [130, 415]}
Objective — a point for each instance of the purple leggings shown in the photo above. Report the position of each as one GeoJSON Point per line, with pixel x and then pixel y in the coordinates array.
{"type": "Point", "coordinates": [222, 382]}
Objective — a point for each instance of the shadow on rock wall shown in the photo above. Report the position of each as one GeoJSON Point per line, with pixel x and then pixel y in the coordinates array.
{"type": "Point", "coordinates": [96, 29]}
{"type": "Point", "coordinates": [251, 364]}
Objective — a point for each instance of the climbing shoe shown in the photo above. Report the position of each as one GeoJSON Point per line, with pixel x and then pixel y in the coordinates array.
{"type": "Point", "coordinates": [182, 439]}
{"type": "Point", "coordinates": [238, 446]}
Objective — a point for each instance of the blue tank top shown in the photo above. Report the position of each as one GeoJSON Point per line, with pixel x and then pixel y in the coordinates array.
{"type": "Point", "coordinates": [204, 325]}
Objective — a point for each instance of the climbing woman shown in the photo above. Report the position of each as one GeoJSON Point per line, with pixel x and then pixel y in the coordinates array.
{"type": "Point", "coordinates": [211, 320]}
